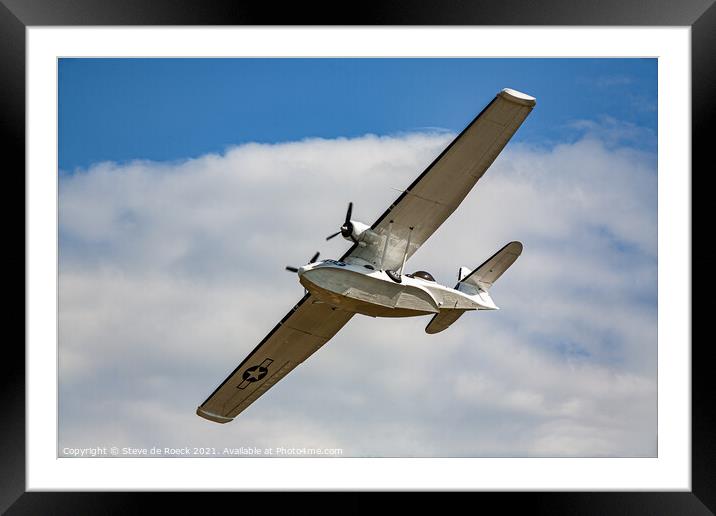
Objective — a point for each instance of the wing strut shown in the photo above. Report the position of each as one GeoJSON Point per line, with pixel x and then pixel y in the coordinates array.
{"type": "Point", "coordinates": [385, 246]}
{"type": "Point", "coordinates": [405, 255]}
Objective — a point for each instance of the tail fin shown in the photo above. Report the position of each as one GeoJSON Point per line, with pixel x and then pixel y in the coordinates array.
{"type": "Point", "coordinates": [477, 284]}
{"type": "Point", "coordinates": [486, 274]}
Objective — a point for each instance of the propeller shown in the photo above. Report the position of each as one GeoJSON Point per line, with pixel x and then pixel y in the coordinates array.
{"type": "Point", "coordinates": [313, 259]}
{"type": "Point", "coordinates": [347, 227]}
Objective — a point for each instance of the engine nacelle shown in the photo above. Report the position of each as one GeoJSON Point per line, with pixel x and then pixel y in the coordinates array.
{"type": "Point", "coordinates": [352, 230]}
{"type": "Point", "coordinates": [358, 231]}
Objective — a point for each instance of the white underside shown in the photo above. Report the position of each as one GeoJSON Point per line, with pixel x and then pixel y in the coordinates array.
{"type": "Point", "coordinates": [355, 288]}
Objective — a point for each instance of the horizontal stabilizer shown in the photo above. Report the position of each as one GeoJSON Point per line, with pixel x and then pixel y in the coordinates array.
{"type": "Point", "coordinates": [443, 320]}
{"type": "Point", "coordinates": [486, 274]}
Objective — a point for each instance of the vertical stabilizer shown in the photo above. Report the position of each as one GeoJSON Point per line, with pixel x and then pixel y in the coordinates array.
{"type": "Point", "coordinates": [486, 274]}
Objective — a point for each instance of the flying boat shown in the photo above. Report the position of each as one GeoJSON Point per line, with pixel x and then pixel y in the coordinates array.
{"type": "Point", "coordinates": [370, 278]}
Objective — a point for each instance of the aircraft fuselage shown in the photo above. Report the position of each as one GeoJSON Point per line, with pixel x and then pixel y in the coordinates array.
{"type": "Point", "coordinates": [358, 288]}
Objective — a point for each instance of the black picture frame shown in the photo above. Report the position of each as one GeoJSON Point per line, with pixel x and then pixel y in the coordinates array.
{"type": "Point", "coordinates": [16, 15]}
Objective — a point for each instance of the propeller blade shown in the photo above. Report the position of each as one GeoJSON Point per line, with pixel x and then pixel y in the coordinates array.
{"type": "Point", "coordinates": [315, 257]}
{"type": "Point", "coordinates": [333, 235]}
{"type": "Point", "coordinates": [291, 269]}
{"type": "Point", "coordinates": [349, 213]}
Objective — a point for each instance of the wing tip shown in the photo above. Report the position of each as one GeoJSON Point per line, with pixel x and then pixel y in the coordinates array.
{"type": "Point", "coordinates": [518, 97]}
{"type": "Point", "coordinates": [216, 418]}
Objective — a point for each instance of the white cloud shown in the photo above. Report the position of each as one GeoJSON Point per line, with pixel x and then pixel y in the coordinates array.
{"type": "Point", "coordinates": [612, 132]}
{"type": "Point", "coordinates": [170, 273]}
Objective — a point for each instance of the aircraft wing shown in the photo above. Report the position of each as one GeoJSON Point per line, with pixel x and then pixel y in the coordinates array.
{"type": "Point", "coordinates": [439, 190]}
{"type": "Point", "coordinates": [307, 327]}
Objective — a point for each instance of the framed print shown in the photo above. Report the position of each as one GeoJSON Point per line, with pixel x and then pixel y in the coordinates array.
{"type": "Point", "coordinates": [170, 181]}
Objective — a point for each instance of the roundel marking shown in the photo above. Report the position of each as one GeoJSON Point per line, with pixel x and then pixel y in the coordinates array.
{"type": "Point", "coordinates": [255, 373]}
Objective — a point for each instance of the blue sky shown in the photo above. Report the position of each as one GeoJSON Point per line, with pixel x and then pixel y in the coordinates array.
{"type": "Point", "coordinates": [167, 109]}
{"type": "Point", "coordinates": [186, 186]}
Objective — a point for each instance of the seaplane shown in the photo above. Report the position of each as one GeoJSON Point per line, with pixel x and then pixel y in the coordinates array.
{"type": "Point", "coordinates": [370, 278]}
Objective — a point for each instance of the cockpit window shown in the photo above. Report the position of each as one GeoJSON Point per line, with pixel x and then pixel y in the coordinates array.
{"type": "Point", "coordinates": [423, 275]}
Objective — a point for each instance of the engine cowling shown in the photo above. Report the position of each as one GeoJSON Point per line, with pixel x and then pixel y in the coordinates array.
{"type": "Point", "coordinates": [352, 229]}
{"type": "Point", "coordinates": [355, 231]}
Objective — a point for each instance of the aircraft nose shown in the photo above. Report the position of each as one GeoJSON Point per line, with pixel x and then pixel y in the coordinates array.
{"type": "Point", "coordinates": [302, 269]}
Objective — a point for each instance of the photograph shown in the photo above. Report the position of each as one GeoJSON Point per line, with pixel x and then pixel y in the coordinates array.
{"type": "Point", "coordinates": [357, 257]}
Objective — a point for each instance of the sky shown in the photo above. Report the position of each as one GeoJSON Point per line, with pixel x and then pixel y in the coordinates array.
{"type": "Point", "coordinates": [186, 186]}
